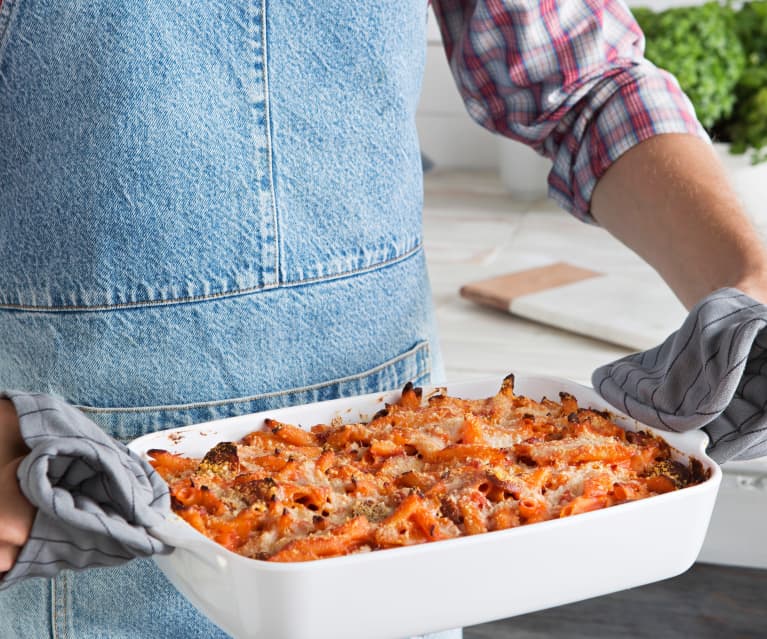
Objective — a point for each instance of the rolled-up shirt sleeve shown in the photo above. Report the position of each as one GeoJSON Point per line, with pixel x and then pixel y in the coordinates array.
{"type": "Point", "coordinates": [566, 77]}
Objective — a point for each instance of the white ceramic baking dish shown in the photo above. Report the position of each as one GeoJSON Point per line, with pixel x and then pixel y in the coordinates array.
{"type": "Point", "coordinates": [396, 593]}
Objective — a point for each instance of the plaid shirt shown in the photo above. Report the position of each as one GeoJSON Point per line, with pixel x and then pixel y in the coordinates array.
{"type": "Point", "coordinates": [567, 77]}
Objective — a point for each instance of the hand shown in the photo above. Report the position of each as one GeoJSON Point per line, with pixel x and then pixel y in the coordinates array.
{"type": "Point", "coordinates": [16, 513]}
{"type": "Point", "coordinates": [11, 443]}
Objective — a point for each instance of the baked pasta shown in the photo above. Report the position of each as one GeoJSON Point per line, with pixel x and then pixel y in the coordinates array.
{"type": "Point", "coordinates": [422, 469]}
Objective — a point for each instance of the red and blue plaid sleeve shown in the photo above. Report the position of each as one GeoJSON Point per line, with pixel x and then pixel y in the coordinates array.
{"type": "Point", "coordinates": [568, 78]}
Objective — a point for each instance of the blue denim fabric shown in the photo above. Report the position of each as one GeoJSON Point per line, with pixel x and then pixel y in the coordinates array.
{"type": "Point", "coordinates": [206, 209]}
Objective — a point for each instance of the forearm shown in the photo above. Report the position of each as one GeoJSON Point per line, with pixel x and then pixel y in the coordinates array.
{"type": "Point", "coordinates": [668, 199]}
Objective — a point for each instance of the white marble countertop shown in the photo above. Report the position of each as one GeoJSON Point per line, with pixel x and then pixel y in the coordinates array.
{"type": "Point", "coordinates": [473, 230]}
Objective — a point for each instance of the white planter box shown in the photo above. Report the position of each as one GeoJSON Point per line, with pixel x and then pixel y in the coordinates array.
{"type": "Point", "coordinates": [522, 171]}
{"type": "Point", "coordinates": [749, 181]}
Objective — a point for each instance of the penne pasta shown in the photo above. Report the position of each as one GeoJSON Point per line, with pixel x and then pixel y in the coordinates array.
{"type": "Point", "coordinates": [421, 470]}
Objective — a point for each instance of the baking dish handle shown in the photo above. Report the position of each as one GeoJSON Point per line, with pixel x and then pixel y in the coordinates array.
{"type": "Point", "coordinates": [175, 537]}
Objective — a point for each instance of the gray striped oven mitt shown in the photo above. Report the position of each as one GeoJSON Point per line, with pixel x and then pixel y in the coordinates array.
{"type": "Point", "coordinates": [96, 500]}
{"type": "Point", "coordinates": [710, 374]}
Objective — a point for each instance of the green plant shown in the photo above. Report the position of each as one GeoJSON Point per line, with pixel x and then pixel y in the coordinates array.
{"type": "Point", "coordinates": [719, 55]}
{"type": "Point", "coordinates": [701, 47]}
{"type": "Point", "coordinates": [748, 126]}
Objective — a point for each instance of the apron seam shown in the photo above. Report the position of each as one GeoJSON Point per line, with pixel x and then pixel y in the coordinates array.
{"type": "Point", "coordinates": [270, 144]}
{"type": "Point", "coordinates": [415, 351]}
{"type": "Point", "coordinates": [8, 11]}
{"type": "Point", "coordinates": [216, 296]}
{"type": "Point", "coordinates": [60, 591]}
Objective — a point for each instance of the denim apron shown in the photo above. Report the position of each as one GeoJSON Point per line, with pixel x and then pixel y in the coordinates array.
{"type": "Point", "coordinates": [206, 208]}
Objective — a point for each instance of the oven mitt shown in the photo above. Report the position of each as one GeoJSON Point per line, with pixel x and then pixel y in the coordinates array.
{"type": "Point", "coordinates": [710, 374]}
{"type": "Point", "coordinates": [96, 499]}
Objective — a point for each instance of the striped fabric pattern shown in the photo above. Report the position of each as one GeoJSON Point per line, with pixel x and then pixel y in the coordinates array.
{"type": "Point", "coordinates": [710, 374]}
{"type": "Point", "coordinates": [96, 499]}
{"type": "Point", "coordinates": [566, 77]}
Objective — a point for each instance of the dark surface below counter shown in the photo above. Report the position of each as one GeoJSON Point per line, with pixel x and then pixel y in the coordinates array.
{"type": "Point", "coordinates": [706, 602]}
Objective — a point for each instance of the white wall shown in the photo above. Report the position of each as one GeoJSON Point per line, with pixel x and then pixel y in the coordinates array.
{"type": "Point", "coordinates": [449, 137]}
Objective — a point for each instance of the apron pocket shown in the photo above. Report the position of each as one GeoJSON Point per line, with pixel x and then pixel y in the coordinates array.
{"type": "Point", "coordinates": [413, 365]}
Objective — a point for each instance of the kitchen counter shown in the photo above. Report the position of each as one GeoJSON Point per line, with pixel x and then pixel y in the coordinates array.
{"type": "Point", "coordinates": [473, 230]}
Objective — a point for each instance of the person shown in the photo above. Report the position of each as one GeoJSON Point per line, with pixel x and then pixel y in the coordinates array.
{"type": "Point", "coordinates": [214, 208]}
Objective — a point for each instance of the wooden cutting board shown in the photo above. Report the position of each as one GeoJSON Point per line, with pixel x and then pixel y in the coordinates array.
{"type": "Point", "coordinates": [633, 312]}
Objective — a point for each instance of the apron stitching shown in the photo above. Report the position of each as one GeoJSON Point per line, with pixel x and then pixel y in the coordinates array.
{"type": "Point", "coordinates": [60, 590]}
{"type": "Point", "coordinates": [57, 588]}
{"type": "Point", "coordinates": [53, 607]}
{"type": "Point", "coordinates": [214, 296]}
{"type": "Point", "coordinates": [65, 605]}
{"type": "Point", "coordinates": [269, 142]}
{"type": "Point", "coordinates": [8, 9]}
{"type": "Point", "coordinates": [415, 351]}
